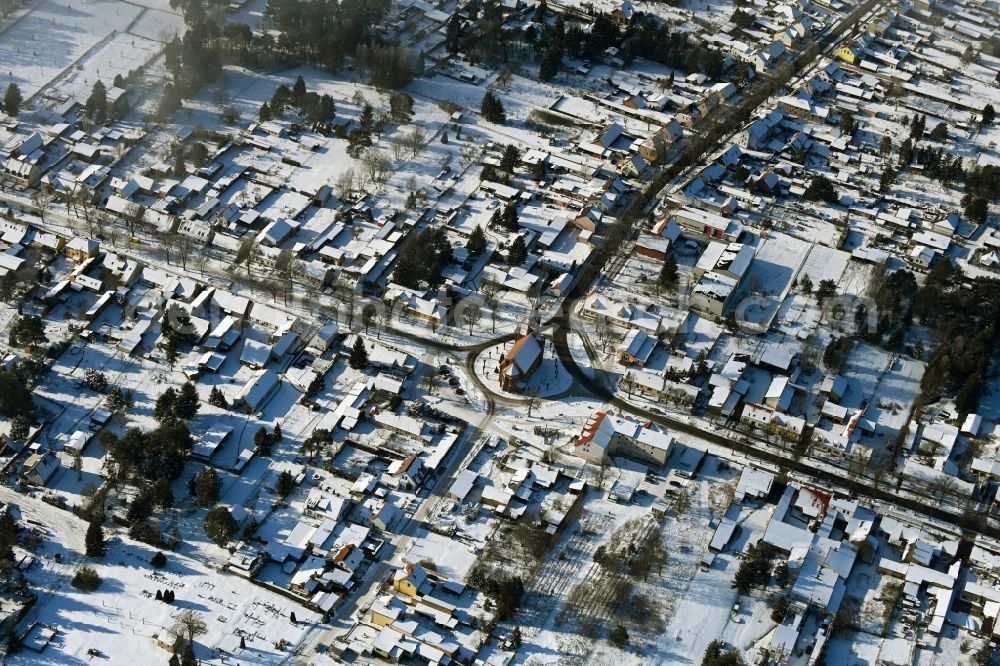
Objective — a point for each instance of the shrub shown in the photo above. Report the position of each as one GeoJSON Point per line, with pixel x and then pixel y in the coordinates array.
{"type": "Point", "coordinates": [86, 579]}
{"type": "Point", "coordinates": [618, 636]}
{"type": "Point", "coordinates": [159, 560]}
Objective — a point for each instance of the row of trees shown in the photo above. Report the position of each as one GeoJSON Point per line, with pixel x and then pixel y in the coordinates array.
{"type": "Point", "coordinates": [312, 106]}
{"type": "Point", "coordinates": [324, 31]}
{"type": "Point", "coordinates": [966, 322]}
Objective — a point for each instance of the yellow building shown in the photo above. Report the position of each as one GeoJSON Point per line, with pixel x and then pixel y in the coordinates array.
{"type": "Point", "coordinates": [386, 610]}
{"type": "Point", "coordinates": [80, 249]}
{"type": "Point", "coordinates": [849, 54]}
{"type": "Point", "coordinates": [409, 580]}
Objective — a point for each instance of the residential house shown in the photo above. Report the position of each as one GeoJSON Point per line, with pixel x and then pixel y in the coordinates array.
{"type": "Point", "coordinates": [39, 468]}
{"type": "Point", "coordinates": [409, 580]}
{"type": "Point", "coordinates": [408, 472]}
{"type": "Point", "coordinates": [80, 249]}
{"type": "Point", "coordinates": [636, 348]}
{"type": "Point", "coordinates": [606, 435]}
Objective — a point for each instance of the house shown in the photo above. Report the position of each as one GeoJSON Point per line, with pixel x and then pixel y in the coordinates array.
{"type": "Point", "coordinates": [606, 435]}
{"type": "Point", "coordinates": [708, 224]}
{"type": "Point", "coordinates": [426, 309]}
{"type": "Point", "coordinates": [80, 249]}
{"type": "Point", "coordinates": [769, 55]}
{"type": "Point", "coordinates": [382, 514]}
{"type": "Point", "coordinates": [118, 101]}
{"type": "Point", "coordinates": [654, 148]}
{"type": "Point", "coordinates": [773, 421]}
{"type": "Point", "coordinates": [657, 387]}
{"type": "Point", "coordinates": [409, 580]}
{"type": "Point", "coordinates": [757, 134]}
{"type": "Point", "coordinates": [386, 610]}
{"type": "Point", "coordinates": [22, 171]}
{"type": "Point", "coordinates": [731, 260]}
{"type": "Point", "coordinates": [634, 165]}
{"type": "Point", "coordinates": [849, 53]}
{"type": "Point", "coordinates": [78, 441]}
{"type": "Point", "coordinates": [713, 293]}
{"type": "Point", "coordinates": [39, 468]}
{"type": "Point", "coordinates": [628, 315]}
{"type": "Point", "coordinates": [834, 388]}
{"type": "Point", "coordinates": [260, 388]}
{"type": "Point", "coordinates": [519, 364]}
{"type": "Point", "coordinates": [636, 348]}
{"type": "Point", "coordinates": [255, 354]}
{"type": "Point", "coordinates": [408, 472]}
{"type": "Point", "coordinates": [623, 13]}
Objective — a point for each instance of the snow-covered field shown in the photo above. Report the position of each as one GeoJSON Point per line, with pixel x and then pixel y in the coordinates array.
{"type": "Point", "coordinates": [69, 44]}
{"type": "Point", "coordinates": [122, 616]}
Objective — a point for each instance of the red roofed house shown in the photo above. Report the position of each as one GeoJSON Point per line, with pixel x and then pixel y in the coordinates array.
{"type": "Point", "coordinates": [519, 364]}
{"type": "Point", "coordinates": [407, 473]}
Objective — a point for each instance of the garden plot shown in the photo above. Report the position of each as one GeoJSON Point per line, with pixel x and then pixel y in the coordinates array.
{"type": "Point", "coordinates": [56, 35]}
{"type": "Point", "coordinates": [889, 383]}
{"type": "Point", "coordinates": [618, 564]}
{"type": "Point", "coordinates": [159, 23]}
{"type": "Point", "coordinates": [117, 55]}
{"type": "Point", "coordinates": [120, 618]}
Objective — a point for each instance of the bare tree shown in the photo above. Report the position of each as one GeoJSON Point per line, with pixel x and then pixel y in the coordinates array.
{"type": "Point", "coordinates": [532, 403]}
{"type": "Point", "coordinates": [490, 292]}
{"type": "Point", "coordinates": [201, 260]}
{"type": "Point", "coordinates": [602, 328]}
{"type": "Point", "coordinates": [312, 291]}
{"type": "Point", "coordinates": [472, 314]}
{"type": "Point", "coordinates": [469, 156]}
{"type": "Point", "coordinates": [504, 77]}
{"type": "Point", "coordinates": [345, 292]}
{"type": "Point", "coordinates": [384, 166]}
{"type": "Point", "coordinates": [857, 461]}
{"type": "Point", "coordinates": [944, 487]}
{"type": "Point", "coordinates": [42, 197]}
{"type": "Point", "coordinates": [371, 314]}
{"type": "Point", "coordinates": [415, 141]}
{"type": "Point", "coordinates": [398, 145]}
{"type": "Point", "coordinates": [377, 166]}
{"type": "Point", "coordinates": [188, 624]}
{"type": "Point", "coordinates": [284, 265]}
{"type": "Point", "coordinates": [184, 245]}
{"type": "Point", "coordinates": [430, 381]}
{"type": "Point", "coordinates": [345, 184]}
{"type": "Point", "coordinates": [274, 286]}
{"type": "Point", "coordinates": [168, 243]}
{"type": "Point", "coordinates": [133, 217]}
{"type": "Point", "coordinates": [602, 471]}
{"type": "Point", "coordinates": [91, 215]}
{"type": "Point", "coordinates": [246, 254]}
